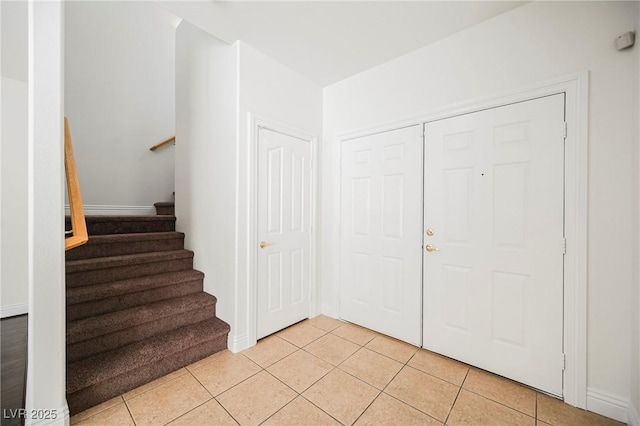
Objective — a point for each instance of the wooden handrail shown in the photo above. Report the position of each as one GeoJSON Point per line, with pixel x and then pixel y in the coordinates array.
{"type": "Point", "coordinates": [164, 142]}
{"type": "Point", "coordinates": [79, 233]}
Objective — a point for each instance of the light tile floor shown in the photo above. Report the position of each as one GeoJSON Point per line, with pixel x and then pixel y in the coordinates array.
{"type": "Point", "coordinates": [327, 372]}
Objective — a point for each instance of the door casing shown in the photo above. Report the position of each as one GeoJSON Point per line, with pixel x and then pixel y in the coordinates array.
{"type": "Point", "coordinates": [575, 86]}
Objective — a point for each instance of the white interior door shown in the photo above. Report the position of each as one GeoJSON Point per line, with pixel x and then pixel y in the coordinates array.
{"type": "Point", "coordinates": [284, 235]}
{"type": "Point", "coordinates": [494, 190]}
{"type": "Point", "coordinates": [381, 225]}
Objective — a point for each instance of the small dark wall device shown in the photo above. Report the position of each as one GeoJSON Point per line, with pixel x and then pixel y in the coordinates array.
{"type": "Point", "coordinates": [625, 41]}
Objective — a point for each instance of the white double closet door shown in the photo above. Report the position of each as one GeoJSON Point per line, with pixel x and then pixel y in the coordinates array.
{"type": "Point", "coordinates": [492, 193]}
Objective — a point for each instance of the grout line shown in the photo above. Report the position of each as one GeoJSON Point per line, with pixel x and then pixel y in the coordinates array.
{"type": "Point", "coordinates": [320, 408]}
{"type": "Point", "coordinates": [285, 405]}
{"type": "Point", "coordinates": [502, 403]}
{"type": "Point", "coordinates": [133, 419]}
{"type": "Point", "coordinates": [213, 397]}
{"type": "Point", "coordinates": [457, 395]}
{"type": "Point", "coordinates": [411, 406]}
{"type": "Point", "coordinates": [312, 354]}
{"type": "Point", "coordinates": [296, 324]}
{"type": "Point", "coordinates": [369, 405]}
{"type": "Point", "coordinates": [226, 411]}
{"type": "Point", "coordinates": [201, 384]}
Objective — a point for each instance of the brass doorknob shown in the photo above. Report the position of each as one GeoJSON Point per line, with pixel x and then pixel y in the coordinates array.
{"type": "Point", "coordinates": [431, 248]}
{"type": "Point", "coordinates": [264, 244]}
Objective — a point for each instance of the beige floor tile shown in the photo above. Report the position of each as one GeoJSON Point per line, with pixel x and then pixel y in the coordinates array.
{"type": "Point", "coordinates": [300, 370]}
{"type": "Point", "coordinates": [332, 349]}
{"type": "Point", "coordinates": [541, 423]}
{"type": "Point", "coordinates": [326, 323]}
{"type": "Point", "coordinates": [371, 367]}
{"type": "Point", "coordinates": [168, 401]}
{"type": "Point", "coordinates": [400, 351]}
{"type": "Point", "coordinates": [501, 390]}
{"type": "Point", "coordinates": [301, 334]}
{"type": "Point", "coordinates": [141, 389]}
{"type": "Point", "coordinates": [442, 367]}
{"type": "Point", "coordinates": [256, 399]}
{"type": "Point", "coordinates": [472, 409]}
{"type": "Point", "coordinates": [300, 412]}
{"type": "Point", "coordinates": [224, 371]}
{"type": "Point", "coordinates": [387, 410]}
{"type": "Point", "coordinates": [355, 333]}
{"type": "Point", "coordinates": [95, 409]}
{"type": "Point", "coordinates": [424, 392]}
{"type": "Point", "coordinates": [269, 350]}
{"type": "Point", "coordinates": [557, 413]}
{"type": "Point", "coordinates": [209, 413]}
{"type": "Point", "coordinates": [214, 357]}
{"type": "Point", "coordinates": [342, 396]}
{"type": "Point", "coordinates": [116, 415]}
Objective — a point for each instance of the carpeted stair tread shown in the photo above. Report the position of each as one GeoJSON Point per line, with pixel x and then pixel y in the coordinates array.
{"type": "Point", "coordinates": [165, 208]}
{"type": "Point", "coordinates": [89, 328]}
{"type": "Point", "coordinates": [87, 301]}
{"type": "Point", "coordinates": [122, 244]}
{"type": "Point", "coordinates": [139, 331]}
{"type": "Point", "coordinates": [100, 225]}
{"type": "Point", "coordinates": [82, 265]}
{"type": "Point", "coordinates": [114, 268]}
{"type": "Point", "coordinates": [99, 368]}
{"type": "Point", "coordinates": [97, 292]}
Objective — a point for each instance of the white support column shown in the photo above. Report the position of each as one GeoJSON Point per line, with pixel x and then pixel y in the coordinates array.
{"type": "Point", "coordinates": [45, 399]}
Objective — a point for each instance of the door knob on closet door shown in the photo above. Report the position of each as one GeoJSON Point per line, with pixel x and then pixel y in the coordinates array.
{"type": "Point", "coordinates": [431, 248]}
{"type": "Point", "coordinates": [264, 244]}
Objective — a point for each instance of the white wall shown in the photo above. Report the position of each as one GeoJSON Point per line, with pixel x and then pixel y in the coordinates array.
{"type": "Point", "coordinates": [217, 86]}
{"type": "Point", "coordinates": [13, 276]}
{"type": "Point", "coordinates": [45, 236]}
{"type": "Point", "coordinates": [269, 91]}
{"type": "Point", "coordinates": [206, 134]}
{"type": "Point", "coordinates": [120, 100]}
{"type": "Point", "coordinates": [533, 43]}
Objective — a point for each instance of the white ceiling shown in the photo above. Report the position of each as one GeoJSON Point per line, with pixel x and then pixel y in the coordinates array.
{"type": "Point", "coordinates": [329, 41]}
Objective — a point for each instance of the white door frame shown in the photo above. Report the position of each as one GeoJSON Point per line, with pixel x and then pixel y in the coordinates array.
{"type": "Point", "coordinates": [576, 88]}
{"type": "Point", "coordinates": [255, 124]}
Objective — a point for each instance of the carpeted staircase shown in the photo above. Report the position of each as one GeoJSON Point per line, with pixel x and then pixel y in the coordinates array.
{"type": "Point", "coordinates": [136, 309]}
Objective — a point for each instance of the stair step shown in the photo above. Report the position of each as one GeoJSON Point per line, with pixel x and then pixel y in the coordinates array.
{"type": "Point", "coordinates": [94, 380]}
{"type": "Point", "coordinates": [165, 208]}
{"type": "Point", "coordinates": [113, 268]}
{"type": "Point", "coordinates": [86, 301]}
{"type": "Point", "coordinates": [100, 225]}
{"type": "Point", "coordinates": [89, 336]}
{"type": "Point", "coordinates": [121, 244]}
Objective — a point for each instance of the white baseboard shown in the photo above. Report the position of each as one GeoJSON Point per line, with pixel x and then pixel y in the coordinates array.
{"type": "Point", "coordinates": [608, 405]}
{"type": "Point", "coordinates": [237, 343]}
{"type": "Point", "coordinates": [634, 416]}
{"type": "Point", "coordinates": [108, 210]}
{"type": "Point", "coordinates": [329, 310]}
{"type": "Point", "coordinates": [13, 310]}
